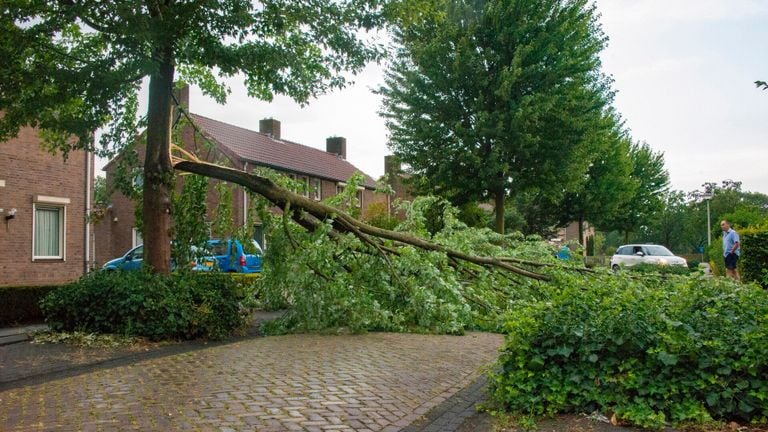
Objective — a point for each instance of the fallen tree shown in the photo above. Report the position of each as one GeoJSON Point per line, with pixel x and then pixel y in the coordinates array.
{"type": "Point", "coordinates": [342, 222]}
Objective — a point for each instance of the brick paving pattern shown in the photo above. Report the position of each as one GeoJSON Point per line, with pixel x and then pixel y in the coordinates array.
{"type": "Point", "coordinates": [372, 382]}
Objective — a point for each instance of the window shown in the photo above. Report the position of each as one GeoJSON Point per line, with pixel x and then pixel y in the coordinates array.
{"type": "Point", "coordinates": [304, 186]}
{"type": "Point", "coordinates": [258, 235]}
{"type": "Point", "coordinates": [359, 196]}
{"type": "Point", "coordinates": [317, 189]}
{"type": "Point", "coordinates": [49, 228]}
{"type": "Point", "coordinates": [138, 180]}
{"type": "Point", "coordinates": [136, 238]}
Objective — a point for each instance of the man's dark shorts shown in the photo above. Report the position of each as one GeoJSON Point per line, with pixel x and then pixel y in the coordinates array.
{"type": "Point", "coordinates": [730, 261]}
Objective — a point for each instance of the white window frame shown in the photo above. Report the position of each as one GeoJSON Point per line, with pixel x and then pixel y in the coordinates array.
{"type": "Point", "coordinates": [135, 234]}
{"type": "Point", "coordinates": [51, 202]}
{"type": "Point", "coordinates": [361, 191]}
{"type": "Point", "coordinates": [318, 189]}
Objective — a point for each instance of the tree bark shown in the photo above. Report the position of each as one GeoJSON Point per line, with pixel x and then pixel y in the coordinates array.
{"type": "Point", "coordinates": [499, 210]}
{"type": "Point", "coordinates": [581, 232]}
{"type": "Point", "coordinates": [158, 170]}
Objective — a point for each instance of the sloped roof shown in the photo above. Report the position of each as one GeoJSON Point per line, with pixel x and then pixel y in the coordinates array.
{"type": "Point", "coordinates": [262, 149]}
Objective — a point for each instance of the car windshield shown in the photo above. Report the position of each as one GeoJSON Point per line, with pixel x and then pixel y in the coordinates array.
{"type": "Point", "coordinates": [658, 251]}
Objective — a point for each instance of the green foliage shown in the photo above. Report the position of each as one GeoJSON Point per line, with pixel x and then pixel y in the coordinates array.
{"type": "Point", "coordinates": [184, 305]}
{"type": "Point", "coordinates": [649, 350]}
{"type": "Point", "coordinates": [189, 209]}
{"type": "Point", "coordinates": [494, 98]}
{"type": "Point", "coordinates": [646, 268]}
{"type": "Point", "coordinates": [20, 304]}
{"type": "Point", "coordinates": [651, 180]}
{"type": "Point", "coordinates": [342, 282]}
{"type": "Point", "coordinates": [347, 199]}
{"type": "Point", "coordinates": [754, 255]}
{"type": "Point", "coordinates": [475, 217]}
{"type": "Point", "coordinates": [377, 214]}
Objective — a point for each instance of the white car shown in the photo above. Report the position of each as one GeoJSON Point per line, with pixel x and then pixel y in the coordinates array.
{"type": "Point", "coordinates": [634, 254]}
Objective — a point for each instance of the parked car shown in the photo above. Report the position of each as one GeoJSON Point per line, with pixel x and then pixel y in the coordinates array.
{"type": "Point", "coordinates": [232, 256]}
{"type": "Point", "coordinates": [131, 261]}
{"type": "Point", "coordinates": [634, 254]}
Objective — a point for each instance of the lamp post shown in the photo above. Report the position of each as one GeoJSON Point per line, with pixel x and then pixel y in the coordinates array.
{"type": "Point", "coordinates": [708, 196]}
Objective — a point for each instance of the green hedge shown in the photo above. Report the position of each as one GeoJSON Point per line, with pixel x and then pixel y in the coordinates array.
{"type": "Point", "coordinates": [650, 351]}
{"type": "Point", "coordinates": [754, 255]}
{"type": "Point", "coordinates": [21, 304]}
{"type": "Point", "coordinates": [183, 305]}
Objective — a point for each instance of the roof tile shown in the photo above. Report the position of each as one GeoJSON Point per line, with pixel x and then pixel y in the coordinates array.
{"type": "Point", "coordinates": [261, 149]}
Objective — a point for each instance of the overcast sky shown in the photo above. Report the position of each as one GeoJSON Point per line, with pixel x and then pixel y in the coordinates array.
{"type": "Point", "coordinates": [684, 71]}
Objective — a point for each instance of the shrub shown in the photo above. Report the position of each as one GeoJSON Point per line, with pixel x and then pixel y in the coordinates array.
{"type": "Point", "coordinates": [685, 349]}
{"type": "Point", "coordinates": [378, 215]}
{"type": "Point", "coordinates": [184, 305]}
{"type": "Point", "coordinates": [754, 255]}
{"type": "Point", "coordinates": [659, 269]}
{"type": "Point", "coordinates": [21, 304]}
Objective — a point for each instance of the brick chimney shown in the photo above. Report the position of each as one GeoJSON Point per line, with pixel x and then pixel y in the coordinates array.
{"type": "Point", "coordinates": [182, 96]}
{"type": "Point", "coordinates": [337, 146]}
{"type": "Point", "coordinates": [270, 127]}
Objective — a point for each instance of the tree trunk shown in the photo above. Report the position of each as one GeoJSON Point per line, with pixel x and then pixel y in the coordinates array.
{"type": "Point", "coordinates": [499, 210]}
{"type": "Point", "coordinates": [158, 170]}
{"type": "Point", "coordinates": [581, 232]}
{"type": "Point", "coordinates": [626, 237]}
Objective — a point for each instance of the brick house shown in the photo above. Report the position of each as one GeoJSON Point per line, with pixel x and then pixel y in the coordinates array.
{"type": "Point", "coordinates": [45, 236]}
{"type": "Point", "coordinates": [323, 172]}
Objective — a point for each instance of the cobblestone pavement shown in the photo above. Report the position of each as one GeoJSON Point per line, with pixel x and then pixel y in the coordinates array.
{"type": "Point", "coordinates": [24, 360]}
{"type": "Point", "coordinates": [378, 381]}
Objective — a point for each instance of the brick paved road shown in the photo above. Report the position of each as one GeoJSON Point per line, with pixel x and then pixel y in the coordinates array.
{"type": "Point", "coordinates": [378, 381]}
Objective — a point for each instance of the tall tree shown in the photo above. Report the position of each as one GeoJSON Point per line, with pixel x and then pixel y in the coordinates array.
{"type": "Point", "coordinates": [72, 66]}
{"type": "Point", "coordinates": [493, 98]}
{"type": "Point", "coordinates": [651, 180]}
{"type": "Point", "coordinates": [606, 184]}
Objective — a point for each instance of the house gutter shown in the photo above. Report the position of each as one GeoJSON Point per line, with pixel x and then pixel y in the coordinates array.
{"type": "Point", "coordinates": [245, 198]}
{"type": "Point", "coordinates": [87, 212]}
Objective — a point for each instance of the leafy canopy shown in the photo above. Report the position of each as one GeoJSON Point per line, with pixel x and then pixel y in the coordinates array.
{"type": "Point", "coordinates": [491, 98]}
{"type": "Point", "coordinates": [70, 67]}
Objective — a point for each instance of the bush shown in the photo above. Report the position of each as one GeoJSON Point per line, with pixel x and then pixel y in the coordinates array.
{"type": "Point", "coordinates": [184, 305]}
{"type": "Point", "coordinates": [686, 349]}
{"type": "Point", "coordinates": [21, 304]}
{"type": "Point", "coordinates": [378, 215]}
{"type": "Point", "coordinates": [754, 255]}
{"type": "Point", "coordinates": [659, 269]}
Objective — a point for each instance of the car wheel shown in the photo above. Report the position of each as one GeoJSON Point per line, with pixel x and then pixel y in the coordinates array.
{"type": "Point", "coordinates": [615, 267]}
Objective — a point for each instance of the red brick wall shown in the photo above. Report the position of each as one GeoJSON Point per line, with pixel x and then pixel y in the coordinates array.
{"type": "Point", "coordinates": [27, 171]}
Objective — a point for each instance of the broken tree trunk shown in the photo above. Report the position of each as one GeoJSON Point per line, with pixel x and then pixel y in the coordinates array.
{"type": "Point", "coordinates": [342, 221]}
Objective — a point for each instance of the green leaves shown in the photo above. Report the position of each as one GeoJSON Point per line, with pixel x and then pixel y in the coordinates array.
{"type": "Point", "coordinates": [144, 304]}
{"type": "Point", "coordinates": [651, 350]}
{"type": "Point", "coordinates": [494, 98]}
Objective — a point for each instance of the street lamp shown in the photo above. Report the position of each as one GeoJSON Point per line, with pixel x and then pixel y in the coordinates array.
{"type": "Point", "coordinates": [708, 196]}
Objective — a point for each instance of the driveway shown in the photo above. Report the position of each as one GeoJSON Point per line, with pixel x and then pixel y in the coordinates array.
{"type": "Point", "coordinates": [372, 382]}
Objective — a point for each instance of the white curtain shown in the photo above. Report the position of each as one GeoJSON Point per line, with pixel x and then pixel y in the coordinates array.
{"type": "Point", "coordinates": [48, 232]}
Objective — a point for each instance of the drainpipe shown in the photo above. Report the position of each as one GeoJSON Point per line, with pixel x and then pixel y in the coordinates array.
{"type": "Point", "coordinates": [87, 212]}
{"type": "Point", "coordinates": [245, 199]}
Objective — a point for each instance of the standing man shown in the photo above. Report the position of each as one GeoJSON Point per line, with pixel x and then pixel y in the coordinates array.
{"type": "Point", "coordinates": [731, 250]}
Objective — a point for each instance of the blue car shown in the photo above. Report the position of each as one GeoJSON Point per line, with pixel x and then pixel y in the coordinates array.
{"type": "Point", "coordinates": [131, 261]}
{"type": "Point", "coordinates": [232, 256]}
